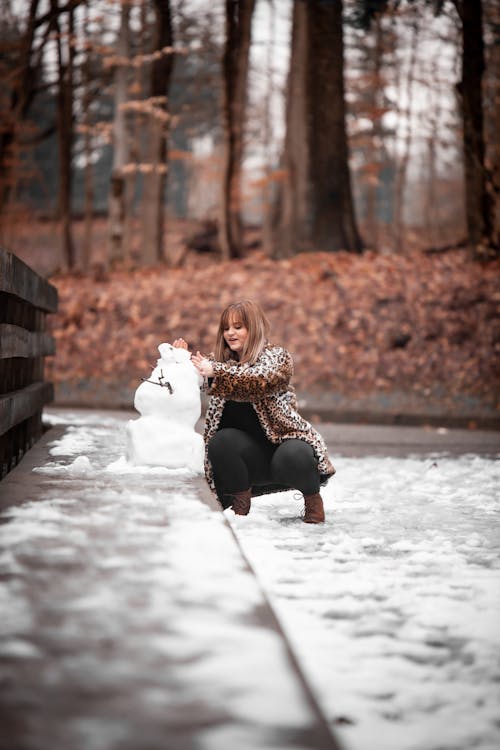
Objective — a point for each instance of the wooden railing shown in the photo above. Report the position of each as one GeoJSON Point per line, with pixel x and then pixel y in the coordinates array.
{"type": "Point", "coordinates": [25, 300]}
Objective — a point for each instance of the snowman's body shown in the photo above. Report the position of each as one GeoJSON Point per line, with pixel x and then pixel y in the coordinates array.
{"type": "Point", "coordinates": [169, 404]}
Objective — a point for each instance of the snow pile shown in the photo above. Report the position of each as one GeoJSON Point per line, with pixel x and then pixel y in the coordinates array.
{"type": "Point", "coordinates": [81, 466]}
{"type": "Point", "coordinates": [393, 605]}
{"type": "Point", "coordinates": [106, 437]}
{"type": "Point", "coordinates": [169, 404]}
{"type": "Point", "coordinates": [122, 466]}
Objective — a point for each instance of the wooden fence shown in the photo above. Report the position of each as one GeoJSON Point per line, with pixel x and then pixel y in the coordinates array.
{"type": "Point", "coordinates": [25, 300]}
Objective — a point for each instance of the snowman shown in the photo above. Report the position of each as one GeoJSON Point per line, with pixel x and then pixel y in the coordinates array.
{"type": "Point", "coordinates": [169, 404]}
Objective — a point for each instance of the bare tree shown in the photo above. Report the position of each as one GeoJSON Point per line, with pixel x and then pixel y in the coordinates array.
{"type": "Point", "coordinates": [291, 228]}
{"type": "Point", "coordinates": [479, 192]}
{"type": "Point", "coordinates": [21, 67]}
{"type": "Point", "coordinates": [65, 59]}
{"type": "Point", "coordinates": [267, 194]}
{"type": "Point", "coordinates": [431, 199]}
{"type": "Point", "coordinates": [235, 76]}
{"type": "Point", "coordinates": [155, 178]}
{"type": "Point", "coordinates": [492, 104]}
{"type": "Point", "coordinates": [117, 205]}
{"type": "Point", "coordinates": [20, 96]}
{"type": "Point", "coordinates": [140, 83]}
{"type": "Point", "coordinates": [478, 199]}
{"type": "Point", "coordinates": [87, 145]}
{"type": "Point", "coordinates": [406, 113]}
{"type": "Point", "coordinates": [317, 205]}
{"type": "Point", "coordinates": [374, 164]}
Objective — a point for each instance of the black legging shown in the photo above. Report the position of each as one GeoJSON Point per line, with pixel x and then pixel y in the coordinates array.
{"type": "Point", "coordinates": [240, 461]}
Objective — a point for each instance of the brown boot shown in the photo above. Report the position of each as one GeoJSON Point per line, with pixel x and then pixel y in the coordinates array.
{"type": "Point", "coordinates": [314, 511]}
{"type": "Point", "coordinates": [241, 502]}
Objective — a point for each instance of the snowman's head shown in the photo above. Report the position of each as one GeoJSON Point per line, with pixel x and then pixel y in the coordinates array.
{"type": "Point", "coordinates": [178, 398]}
{"type": "Point", "coordinates": [172, 355]}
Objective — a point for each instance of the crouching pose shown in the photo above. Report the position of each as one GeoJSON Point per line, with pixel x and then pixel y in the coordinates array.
{"type": "Point", "coordinates": [255, 440]}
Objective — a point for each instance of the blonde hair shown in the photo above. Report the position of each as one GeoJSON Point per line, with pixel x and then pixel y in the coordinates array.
{"type": "Point", "coordinates": [251, 315]}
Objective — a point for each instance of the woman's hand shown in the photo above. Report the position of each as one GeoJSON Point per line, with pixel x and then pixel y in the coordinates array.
{"type": "Point", "coordinates": [203, 365]}
{"type": "Point", "coordinates": [180, 344]}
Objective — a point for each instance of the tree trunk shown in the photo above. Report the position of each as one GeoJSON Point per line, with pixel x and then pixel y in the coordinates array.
{"type": "Point", "coordinates": [317, 206]}
{"type": "Point", "coordinates": [478, 201]}
{"type": "Point", "coordinates": [332, 215]}
{"type": "Point", "coordinates": [141, 83]}
{"type": "Point", "coordinates": [89, 172]}
{"type": "Point", "coordinates": [155, 178]}
{"type": "Point", "coordinates": [268, 192]}
{"type": "Point", "coordinates": [290, 231]}
{"type": "Point", "coordinates": [20, 98]}
{"type": "Point", "coordinates": [375, 149]}
{"type": "Point", "coordinates": [235, 76]}
{"type": "Point", "coordinates": [117, 207]}
{"type": "Point", "coordinates": [492, 116]}
{"type": "Point", "coordinates": [65, 132]}
{"type": "Point", "coordinates": [431, 199]}
{"type": "Point", "coordinates": [404, 159]}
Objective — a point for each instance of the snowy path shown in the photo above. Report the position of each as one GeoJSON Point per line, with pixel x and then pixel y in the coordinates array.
{"type": "Point", "coordinates": [394, 605]}
{"type": "Point", "coordinates": [129, 619]}
{"type": "Point", "coordinates": [115, 626]}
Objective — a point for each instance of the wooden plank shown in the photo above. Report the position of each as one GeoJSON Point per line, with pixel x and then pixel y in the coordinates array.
{"type": "Point", "coordinates": [20, 280]}
{"type": "Point", "coordinates": [18, 342]}
{"type": "Point", "coordinates": [18, 440]}
{"type": "Point", "coordinates": [19, 405]}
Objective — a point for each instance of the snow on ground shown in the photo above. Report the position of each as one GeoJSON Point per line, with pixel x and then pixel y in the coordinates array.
{"type": "Point", "coordinates": [129, 616]}
{"type": "Point", "coordinates": [393, 606]}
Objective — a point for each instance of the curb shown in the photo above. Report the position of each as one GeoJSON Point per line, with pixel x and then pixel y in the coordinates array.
{"type": "Point", "coordinates": [323, 734]}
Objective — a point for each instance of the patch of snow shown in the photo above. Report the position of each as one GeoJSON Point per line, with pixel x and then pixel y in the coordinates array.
{"type": "Point", "coordinates": [19, 649]}
{"type": "Point", "coordinates": [84, 439]}
{"type": "Point", "coordinates": [81, 466]}
{"type": "Point", "coordinates": [132, 585]}
{"type": "Point", "coordinates": [122, 466]}
{"type": "Point", "coordinates": [393, 604]}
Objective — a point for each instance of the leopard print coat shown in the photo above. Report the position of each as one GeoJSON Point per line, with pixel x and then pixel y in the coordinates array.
{"type": "Point", "coordinates": [266, 385]}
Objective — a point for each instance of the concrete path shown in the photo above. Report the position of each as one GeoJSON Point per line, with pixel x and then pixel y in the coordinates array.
{"type": "Point", "coordinates": [391, 440]}
{"type": "Point", "coordinates": [130, 618]}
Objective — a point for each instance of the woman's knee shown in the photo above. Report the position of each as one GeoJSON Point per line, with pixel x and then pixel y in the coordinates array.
{"type": "Point", "coordinates": [294, 459]}
{"type": "Point", "coordinates": [228, 443]}
{"type": "Point", "coordinates": [295, 451]}
{"type": "Point", "coordinates": [224, 442]}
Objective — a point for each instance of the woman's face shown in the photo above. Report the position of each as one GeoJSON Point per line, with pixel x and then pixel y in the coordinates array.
{"type": "Point", "coordinates": [235, 335]}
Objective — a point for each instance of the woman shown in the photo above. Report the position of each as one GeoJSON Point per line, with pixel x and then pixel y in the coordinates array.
{"type": "Point", "coordinates": [255, 440]}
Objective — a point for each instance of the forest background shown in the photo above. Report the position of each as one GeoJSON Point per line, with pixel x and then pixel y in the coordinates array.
{"type": "Point", "coordinates": [337, 161]}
